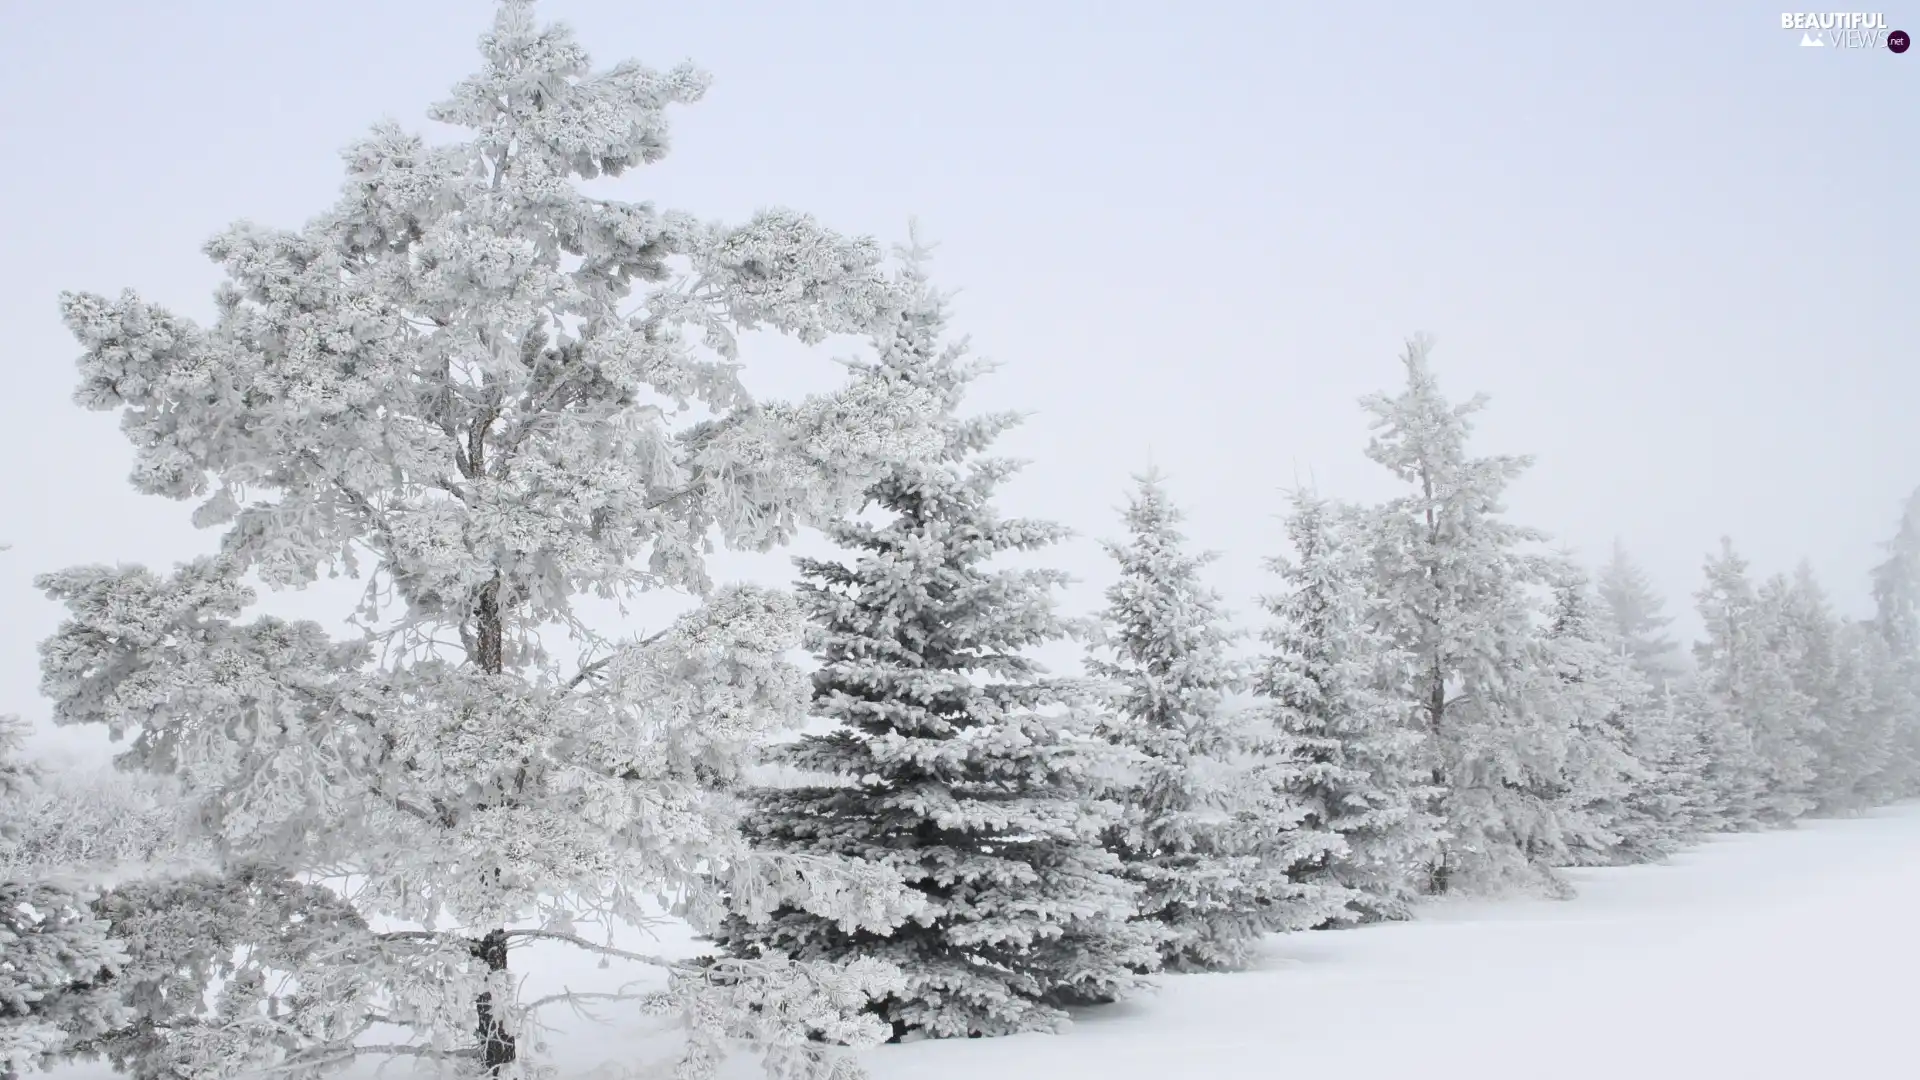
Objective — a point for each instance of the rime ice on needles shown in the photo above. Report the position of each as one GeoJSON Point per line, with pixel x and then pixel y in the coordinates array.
{"type": "Point", "coordinates": [957, 762]}
{"type": "Point", "coordinates": [489, 393]}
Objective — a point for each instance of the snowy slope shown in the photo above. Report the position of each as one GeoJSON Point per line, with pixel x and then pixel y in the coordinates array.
{"type": "Point", "coordinates": [1788, 955]}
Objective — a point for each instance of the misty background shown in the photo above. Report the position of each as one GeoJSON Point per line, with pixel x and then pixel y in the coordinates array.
{"type": "Point", "coordinates": [1676, 248]}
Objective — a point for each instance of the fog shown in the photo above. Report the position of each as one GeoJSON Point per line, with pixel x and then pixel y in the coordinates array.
{"type": "Point", "coordinates": [1672, 245]}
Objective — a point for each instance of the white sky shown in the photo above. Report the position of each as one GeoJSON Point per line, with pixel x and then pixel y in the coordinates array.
{"type": "Point", "coordinates": [1671, 243]}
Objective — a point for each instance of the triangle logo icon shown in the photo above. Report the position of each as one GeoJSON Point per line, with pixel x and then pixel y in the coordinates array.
{"type": "Point", "coordinates": [1809, 41]}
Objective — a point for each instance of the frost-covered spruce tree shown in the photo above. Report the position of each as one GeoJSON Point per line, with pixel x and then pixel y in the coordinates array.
{"type": "Point", "coordinates": [1603, 697]}
{"type": "Point", "coordinates": [57, 956]}
{"type": "Point", "coordinates": [1336, 688]}
{"type": "Point", "coordinates": [1807, 633]}
{"type": "Point", "coordinates": [1896, 596]}
{"type": "Point", "coordinates": [1635, 615]}
{"type": "Point", "coordinates": [1896, 584]}
{"type": "Point", "coordinates": [1458, 591]}
{"type": "Point", "coordinates": [487, 392]}
{"type": "Point", "coordinates": [1209, 834]}
{"type": "Point", "coordinates": [1675, 803]}
{"type": "Point", "coordinates": [956, 761]}
{"type": "Point", "coordinates": [1746, 680]}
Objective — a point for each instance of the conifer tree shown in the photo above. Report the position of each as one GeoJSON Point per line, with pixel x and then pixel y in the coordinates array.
{"type": "Point", "coordinates": [56, 954]}
{"type": "Point", "coordinates": [1602, 698]}
{"type": "Point", "coordinates": [1635, 615]}
{"type": "Point", "coordinates": [956, 761]}
{"type": "Point", "coordinates": [1336, 688]}
{"type": "Point", "coordinates": [1896, 584]}
{"type": "Point", "coordinates": [490, 391]}
{"type": "Point", "coordinates": [1896, 595]}
{"type": "Point", "coordinates": [1459, 592]}
{"type": "Point", "coordinates": [1675, 803]}
{"type": "Point", "coordinates": [1757, 719]}
{"type": "Point", "coordinates": [1212, 841]}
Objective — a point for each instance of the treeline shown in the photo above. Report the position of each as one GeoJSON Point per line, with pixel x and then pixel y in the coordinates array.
{"type": "Point", "coordinates": [489, 392]}
{"type": "Point", "coordinates": [1439, 706]}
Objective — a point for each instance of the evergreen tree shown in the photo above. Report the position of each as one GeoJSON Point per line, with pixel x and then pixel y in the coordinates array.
{"type": "Point", "coordinates": [56, 955]}
{"type": "Point", "coordinates": [1602, 699]}
{"type": "Point", "coordinates": [957, 762]}
{"type": "Point", "coordinates": [1896, 594]}
{"type": "Point", "coordinates": [1211, 842]}
{"type": "Point", "coordinates": [1896, 584]}
{"type": "Point", "coordinates": [1675, 803]}
{"type": "Point", "coordinates": [1635, 616]}
{"type": "Point", "coordinates": [491, 391]}
{"type": "Point", "coordinates": [1458, 592]}
{"type": "Point", "coordinates": [1336, 688]}
{"type": "Point", "coordinates": [1808, 636]}
{"type": "Point", "coordinates": [1762, 764]}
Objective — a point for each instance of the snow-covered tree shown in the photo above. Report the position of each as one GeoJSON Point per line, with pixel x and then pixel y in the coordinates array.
{"type": "Point", "coordinates": [1211, 838]}
{"type": "Point", "coordinates": [1807, 634]}
{"type": "Point", "coordinates": [487, 392]}
{"type": "Point", "coordinates": [1606, 702]}
{"type": "Point", "coordinates": [956, 761]}
{"type": "Point", "coordinates": [1458, 591]}
{"type": "Point", "coordinates": [56, 954]}
{"type": "Point", "coordinates": [1759, 722]}
{"type": "Point", "coordinates": [1336, 688]}
{"type": "Point", "coordinates": [1675, 802]}
{"type": "Point", "coordinates": [1896, 584]}
{"type": "Point", "coordinates": [1635, 614]}
{"type": "Point", "coordinates": [1896, 594]}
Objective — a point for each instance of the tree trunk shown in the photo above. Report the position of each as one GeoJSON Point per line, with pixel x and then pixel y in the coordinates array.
{"type": "Point", "coordinates": [498, 1048]}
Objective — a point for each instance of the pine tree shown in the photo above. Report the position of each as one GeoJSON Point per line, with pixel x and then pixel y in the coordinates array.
{"type": "Point", "coordinates": [1212, 843]}
{"type": "Point", "coordinates": [1335, 687]}
{"type": "Point", "coordinates": [1602, 698]}
{"type": "Point", "coordinates": [1459, 593]}
{"type": "Point", "coordinates": [1635, 616]}
{"type": "Point", "coordinates": [956, 761]}
{"type": "Point", "coordinates": [489, 391]}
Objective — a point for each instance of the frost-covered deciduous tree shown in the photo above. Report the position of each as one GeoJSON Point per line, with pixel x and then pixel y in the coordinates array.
{"type": "Point", "coordinates": [1590, 681]}
{"type": "Point", "coordinates": [487, 392]}
{"type": "Point", "coordinates": [1458, 591]}
{"type": "Point", "coordinates": [1635, 615]}
{"type": "Point", "coordinates": [956, 761]}
{"type": "Point", "coordinates": [1337, 689]}
{"type": "Point", "coordinates": [1209, 835]}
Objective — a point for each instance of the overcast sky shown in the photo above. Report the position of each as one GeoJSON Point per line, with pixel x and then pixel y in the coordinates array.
{"type": "Point", "coordinates": [1677, 248]}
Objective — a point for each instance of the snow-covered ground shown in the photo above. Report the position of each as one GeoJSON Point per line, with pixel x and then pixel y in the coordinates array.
{"type": "Point", "coordinates": [1789, 955]}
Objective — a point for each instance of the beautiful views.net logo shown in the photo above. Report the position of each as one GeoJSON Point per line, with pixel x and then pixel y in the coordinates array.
{"type": "Point", "coordinates": [1845, 30]}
